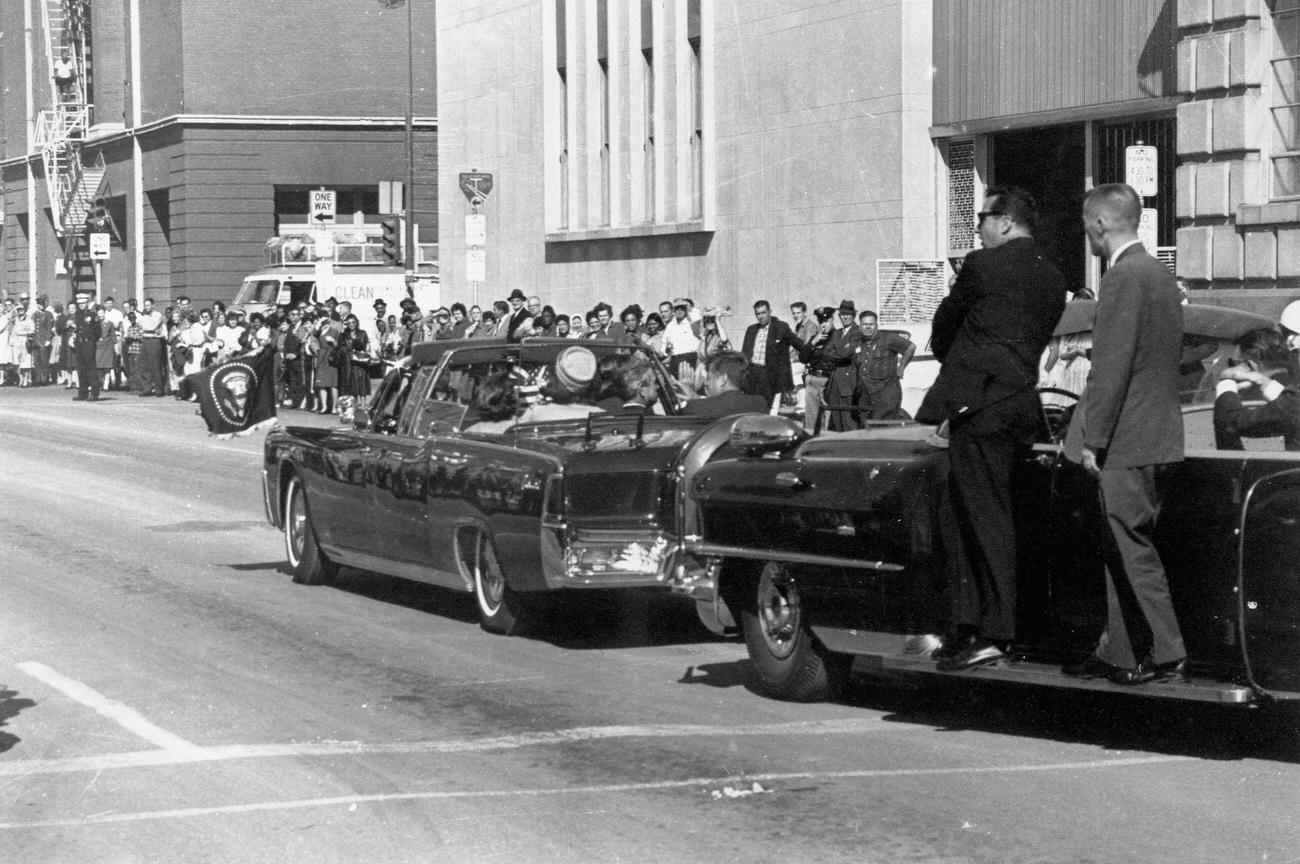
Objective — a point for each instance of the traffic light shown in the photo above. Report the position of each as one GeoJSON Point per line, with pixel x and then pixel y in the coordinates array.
{"type": "Point", "coordinates": [97, 216]}
{"type": "Point", "coordinates": [391, 239]}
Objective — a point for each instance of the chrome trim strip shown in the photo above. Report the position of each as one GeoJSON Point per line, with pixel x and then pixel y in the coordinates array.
{"type": "Point", "coordinates": [400, 569]}
{"type": "Point", "coordinates": [719, 550]}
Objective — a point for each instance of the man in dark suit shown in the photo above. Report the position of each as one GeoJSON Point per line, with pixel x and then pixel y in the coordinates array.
{"type": "Point", "coordinates": [1128, 423]}
{"type": "Point", "coordinates": [836, 354]}
{"type": "Point", "coordinates": [989, 333]}
{"type": "Point", "coordinates": [86, 333]}
{"type": "Point", "coordinates": [726, 375]}
{"type": "Point", "coordinates": [767, 346]}
{"type": "Point", "coordinates": [519, 316]}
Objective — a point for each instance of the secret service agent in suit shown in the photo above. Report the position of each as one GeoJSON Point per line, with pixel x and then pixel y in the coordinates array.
{"type": "Point", "coordinates": [1127, 423]}
{"type": "Point", "coordinates": [86, 330]}
{"type": "Point", "coordinates": [726, 374]}
{"type": "Point", "coordinates": [989, 333]}
{"type": "Point", "coordinates": [1264, 363]}
{"type": "Point", "coordinates": [767, 346]}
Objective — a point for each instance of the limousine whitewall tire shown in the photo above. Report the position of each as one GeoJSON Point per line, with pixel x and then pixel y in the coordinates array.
{"type": "Point", "coordinates": [788, 660]}
{"type": "Point", "coordinates": [500, 607]}
{"type": "Point", "coordinates": [306, 560]}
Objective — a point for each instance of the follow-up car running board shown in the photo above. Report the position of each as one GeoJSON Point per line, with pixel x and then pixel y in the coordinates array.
{"type": "Point", "coordinates": [889, 652]}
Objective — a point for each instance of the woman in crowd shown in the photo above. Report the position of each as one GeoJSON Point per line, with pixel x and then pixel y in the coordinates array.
{"type": "Point", "coordinates": [652, 335]}
{"type": "Point", "coordinates": [326, 372]}
{"type": "Point", "coordinates": [21, 342]}
{"type": "Point", "coordinates": [63, 325]}
{"type": "Point", "coordinates": [7, 316]}
{"type": "Point", "coordinates": [105, 347]}
{"type": "Point", "coordinates": [176, 367]}
{"type": "Point", "coordinates": [354, 365]}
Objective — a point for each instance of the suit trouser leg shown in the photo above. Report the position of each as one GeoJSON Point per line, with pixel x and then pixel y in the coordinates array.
{"type": "Point", "coordinates": [840, 421]}
{"type": "Point", "coordinates": [814, 388]}
{"type": "Point", "coordinates": [1140, 617]}
{"type": "Point", "coordinates": [980, 501]}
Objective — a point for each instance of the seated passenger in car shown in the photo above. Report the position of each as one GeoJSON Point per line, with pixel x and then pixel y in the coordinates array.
{"type": "Point", "coordinates": [566, 395]}
{"type": "Point", "coordinates": [726, 373]}
{"type": "Point", "coordinates": [1263, 365]}
{"type": "Point", "coordinates": [495, 403]}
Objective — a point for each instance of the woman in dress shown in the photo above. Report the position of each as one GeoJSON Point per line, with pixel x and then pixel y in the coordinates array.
{"type": "Point", "coordinates": [326, 373]}
{"type": "Point", "coordinates": [354, 356]}
{"type": "Point", "coordinates": [7, 316]}
{"type": "Point", "coordinates": [105, 347]}
{"type": "Point", "coordinates": [64, 325]}
{"type": "Point", "coordinates": [23, 335]}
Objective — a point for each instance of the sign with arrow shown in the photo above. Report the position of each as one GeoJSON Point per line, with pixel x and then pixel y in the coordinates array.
{"type": "Point", "coordinates": [476, 185]}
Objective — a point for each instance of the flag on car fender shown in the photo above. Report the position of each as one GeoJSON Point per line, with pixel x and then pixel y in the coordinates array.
{"type": "Point", "coordinates": [237, 397]}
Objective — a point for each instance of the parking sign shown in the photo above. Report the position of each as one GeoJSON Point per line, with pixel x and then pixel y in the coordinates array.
{"type": "Point", "coordinates": [1140, 169]}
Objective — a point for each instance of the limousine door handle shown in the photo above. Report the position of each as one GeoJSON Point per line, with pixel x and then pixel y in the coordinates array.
{"type": "Point", "coordinates": [789, 480]}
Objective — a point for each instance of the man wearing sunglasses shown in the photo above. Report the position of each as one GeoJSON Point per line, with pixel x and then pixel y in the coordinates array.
{"type": "Point", "coordinates": [989, 333]}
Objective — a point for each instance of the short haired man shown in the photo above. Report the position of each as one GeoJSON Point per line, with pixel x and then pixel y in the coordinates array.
{"type": "Point", "coordinates": [988, 334]}
{"type": "Point", "coordinates": [1129, 422]}
{"type": "Point", "coordinates": [153, 356]}
{"type": "Point", "coordinates": [1264, 364]}
{"type": "Point", "coordinates": [881, 360]}
{"type": "Point", "coordinates": [767, 346]}
{"type": "Point", "coordinates": [724, 378]}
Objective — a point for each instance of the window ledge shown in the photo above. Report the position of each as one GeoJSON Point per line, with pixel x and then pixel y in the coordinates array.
{"type": "Point", "coordinates": [655, 229]}
{"type": "Point", "coordinates": [1275, 213]}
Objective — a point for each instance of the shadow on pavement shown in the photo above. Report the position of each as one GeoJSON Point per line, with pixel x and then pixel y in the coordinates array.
{"type": "Point", "coordinates": [1109, 721]}
{"type": "Point", "coordinates": [404, 592]}
{"type": "Point", "coordinates": [10, 706]}
{"type": "Point", "coordinates": [631, 618]}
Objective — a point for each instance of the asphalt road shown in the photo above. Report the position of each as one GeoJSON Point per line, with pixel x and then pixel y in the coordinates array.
{"type": "Point", "coordinates": [168, 695]}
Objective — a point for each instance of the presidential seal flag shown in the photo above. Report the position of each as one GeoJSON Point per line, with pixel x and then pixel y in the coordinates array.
{"type": "Point", "coordinates": [237, 397]}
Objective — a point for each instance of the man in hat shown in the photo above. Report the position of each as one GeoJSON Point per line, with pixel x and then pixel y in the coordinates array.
{"type": "Point", "coordinates": [519, 321]}
{"type": "Point", "coordinates": [86, 332]}
{"type": "Point", "coordinates": [837, 358]}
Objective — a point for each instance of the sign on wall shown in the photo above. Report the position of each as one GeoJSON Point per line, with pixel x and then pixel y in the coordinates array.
{"type": "Point", "coordinates": [1141, 169]}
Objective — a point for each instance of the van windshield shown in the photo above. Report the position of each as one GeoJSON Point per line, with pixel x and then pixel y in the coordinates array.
{"type": "Point", "coordinates": [258, 291]}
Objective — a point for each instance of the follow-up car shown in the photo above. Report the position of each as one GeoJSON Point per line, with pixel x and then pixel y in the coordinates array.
{"type": "Point", "coordinates": [417, 488]}
{"type": "Point", "coordinates": [828, 549]}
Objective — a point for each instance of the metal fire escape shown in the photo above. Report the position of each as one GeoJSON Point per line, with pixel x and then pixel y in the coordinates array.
{"type": "Point", "coordinates": [61, 130]}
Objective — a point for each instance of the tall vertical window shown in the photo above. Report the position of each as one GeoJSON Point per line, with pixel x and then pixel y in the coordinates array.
{"type": "Point", "coordinates": [561, 64]}
{"type": "Point", "coordinates": [1285, 150]}
{"type": "Point", "coordinates": [648, 105]}
{"type": "Point", "coordinates": [602, 61]}
{"type": "Point", "coordinates": [696, 109]}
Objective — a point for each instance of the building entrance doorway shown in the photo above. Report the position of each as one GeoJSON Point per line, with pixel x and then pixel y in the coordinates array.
{"type": "Point", "coordinates": [1051, 163]}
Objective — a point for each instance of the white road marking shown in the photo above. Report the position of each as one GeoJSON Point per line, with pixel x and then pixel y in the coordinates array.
{"type": "Point", "coordinates": [150, 758]}
{"type": "Point", "coordinates": [352, 800]}
{"type": "Point", "coordinates": [123, 715]}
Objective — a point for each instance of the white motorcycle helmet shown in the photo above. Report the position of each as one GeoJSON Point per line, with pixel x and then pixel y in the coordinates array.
{"type": "Point", "coordinates": [1290, 322]}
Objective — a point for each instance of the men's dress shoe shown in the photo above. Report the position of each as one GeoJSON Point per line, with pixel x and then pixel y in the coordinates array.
{"type": "Point", "coordinates": [953, 644]}
{"type": "Point", "coordinates": [1093, 667]}
{"type": "Point", "coordinates": [79, 398]}
{"type": "Point", "coordinates": [980, 652]}
{"type": "Point", "coordinates": [1146, 672]}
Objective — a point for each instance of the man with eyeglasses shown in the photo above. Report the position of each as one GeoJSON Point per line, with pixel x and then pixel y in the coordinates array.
{"type": "Point", "coordinates": [988, 334]}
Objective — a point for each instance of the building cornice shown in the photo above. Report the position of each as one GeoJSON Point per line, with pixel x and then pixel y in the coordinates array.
{"type": "Point", "coordinates": [245, 121]}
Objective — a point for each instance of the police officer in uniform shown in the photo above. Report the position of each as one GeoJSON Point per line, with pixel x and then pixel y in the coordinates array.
{"type": "Point", "coordinates": [86, 333]}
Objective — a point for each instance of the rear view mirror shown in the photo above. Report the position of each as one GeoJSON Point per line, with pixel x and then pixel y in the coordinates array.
{"type": "Point", "coordinates": [756, 434]}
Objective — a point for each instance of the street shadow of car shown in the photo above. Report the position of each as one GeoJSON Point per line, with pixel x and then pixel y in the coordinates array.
{"type": "Point", "coordinates": [737, 673]}
{"type": "Point", "coordinates": [1110, 721]}
{"type": "Point", "coordinates": [632, 618]}
{"type": "Point", "coordinates": [419, 596]}
{"type": "Point", "coordinates": [10, 706]}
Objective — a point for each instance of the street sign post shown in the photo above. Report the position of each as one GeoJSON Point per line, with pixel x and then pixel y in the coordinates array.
{"type": "Point", "coordinates": [1141, 170]}
{"type": "Point", "coordinates": [476, 185]}
{"type": "Point", "coordinates": [323, 203]}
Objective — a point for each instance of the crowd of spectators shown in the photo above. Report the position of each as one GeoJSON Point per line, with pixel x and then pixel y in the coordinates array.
{"type": "Point", "coordinates": [326, 357]}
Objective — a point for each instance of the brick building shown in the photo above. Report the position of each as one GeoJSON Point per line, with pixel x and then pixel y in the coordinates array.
{"type": "Point", "coordinates": [819, 149]}
{"type": "Point", "coordinates": [194, 130]}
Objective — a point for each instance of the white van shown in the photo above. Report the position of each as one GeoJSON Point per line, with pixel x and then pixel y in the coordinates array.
{"type": "Point", "coordinates": [360, 285]}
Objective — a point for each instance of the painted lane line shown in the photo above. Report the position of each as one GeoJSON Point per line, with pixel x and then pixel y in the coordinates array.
{"type": "Point", "coordinates": [327, 749]}
{"type": "Point", "coordinates": [123, 715]}
{"type": "Point", "coordinates": [614, 788]}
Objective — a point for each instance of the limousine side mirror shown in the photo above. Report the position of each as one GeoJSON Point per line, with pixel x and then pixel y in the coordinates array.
{"type": "Point", "coordinates": [757, 434]}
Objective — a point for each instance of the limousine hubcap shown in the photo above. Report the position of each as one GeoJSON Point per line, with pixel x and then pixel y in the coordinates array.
{"type": "Point", "coordinates": [492, 582]}
{"type": "Point", "coordinates": [778, 609]}
{"type": "Point", "coordinates": [297, 525]}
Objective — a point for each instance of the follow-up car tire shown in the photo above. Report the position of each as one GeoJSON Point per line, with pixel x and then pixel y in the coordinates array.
{"type": "Point", "coordinates": [789, 662]}
{"type": "Point", "coordinates": [501, 609]}
{"type": "Point", "coordinates": [306, 560]}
